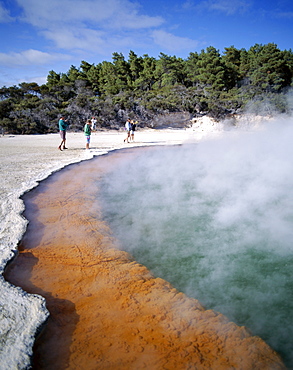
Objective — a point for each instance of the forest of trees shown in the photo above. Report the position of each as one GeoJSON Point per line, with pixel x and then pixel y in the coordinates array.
{"type": "Point", "coordinates": [140, 88]}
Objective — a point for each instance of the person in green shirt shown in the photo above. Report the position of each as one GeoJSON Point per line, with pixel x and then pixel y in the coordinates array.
{"type": "Point", "coordinates": [87, 132]}
{"type": "Point", "coordinates": [62, 129]}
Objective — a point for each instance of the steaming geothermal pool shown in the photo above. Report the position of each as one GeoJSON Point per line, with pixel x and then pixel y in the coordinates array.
{"type": "Point", "coordinates": [216, 221]}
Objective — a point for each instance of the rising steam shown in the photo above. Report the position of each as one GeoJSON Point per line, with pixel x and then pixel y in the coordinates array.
{"type": "Point", "coordinates": [216, 220]}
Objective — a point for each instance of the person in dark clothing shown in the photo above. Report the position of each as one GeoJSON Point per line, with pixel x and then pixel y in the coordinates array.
{"type": "Point", "coordinates": [133, 127]}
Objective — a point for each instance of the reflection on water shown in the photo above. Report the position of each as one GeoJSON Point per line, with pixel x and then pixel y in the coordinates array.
{"type": "Point", "coordinates": [216, 220]}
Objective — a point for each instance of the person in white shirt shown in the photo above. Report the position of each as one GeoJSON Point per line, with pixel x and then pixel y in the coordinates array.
{"type": "Point", "coordinates": [128, 129]}
{"type": "Point", "coordinates": [94, 123]}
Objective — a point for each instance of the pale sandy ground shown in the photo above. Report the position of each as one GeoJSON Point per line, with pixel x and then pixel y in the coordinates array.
{"type": "Point", "coordinates": [190, 336]}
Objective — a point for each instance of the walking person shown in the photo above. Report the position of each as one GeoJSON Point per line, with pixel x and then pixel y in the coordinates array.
{"type": "Point", "coordinates": [128, 129]}
{"type": "Point", "coordinates": [87, 133]}
{"type": "Point", "coordinates": [62, 129]}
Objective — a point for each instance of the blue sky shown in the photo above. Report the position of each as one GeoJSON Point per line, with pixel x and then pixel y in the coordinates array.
{"type": "Point", "coordinates": [43, 35]}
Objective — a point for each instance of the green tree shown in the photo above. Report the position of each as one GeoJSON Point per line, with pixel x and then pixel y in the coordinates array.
{"type": "Point", "coordinates": [191, 69]}
{"type": "Point", "coordinates": [144, 86]}
{"type": "Point", "coordinates": [85, 67]}
{"type": "Point", "coordinates": [288, 57]}
{"type": "Point", "coordinates": [231, 60]}
{"type": "Point", "coordinates": [147, 77]}
{"type": "Point", "coordinates": [93, 75]}
{"type": "Point", "coordinates": [135, 67]}
{"type": "Point", "coordinates": [169, 71]}
{"type": "Point", "coordinates": [244, 67]}
{"type": "Point", "coordinates": [31, 88]}
{"type": "Point", "coordinates": [122, 71]}
{"type": "Point", "coordinates": [73, 74]}
{"type": "Point", "coordinates": [211, 72]}
{"type": "Point", "coordinates": [269, 71]}
{"type": "Point", "coordinates": [107, 79]}
{"type": "Point", "coordinates": [53, 79]}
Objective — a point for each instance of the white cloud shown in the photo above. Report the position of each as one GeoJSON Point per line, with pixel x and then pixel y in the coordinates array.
{"type": "Point", "coordinates": [90, 25]}
{"type": "Point", "coordinates": [46, 14]}
{"type": "Point", "coordinates": [4, 15]}
{"type": "Point", "coordinates": [93, 13]}
{"type": "Point", "coordinates": [226, 6]}
{"type": "Point", "coordinates": [77, 39]}
{"type": "Point", "coordinates": [173, 43]}
{"type": "Point", "coordinates": [40, 80]}
{"type": "Point", "coordinates": [188, 4]}
{"type": "Point", "coordinates": [91, 42]}
{"type": "Point", "coordinates": [133, 21]}
{"type": "Point", "coordinates": [288, 15]}
{"type": "Point", "coordinates": [28, 57]}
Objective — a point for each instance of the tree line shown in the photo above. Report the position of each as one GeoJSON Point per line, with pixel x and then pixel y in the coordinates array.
{"type": "Point", "coordinates": [142, 87]}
